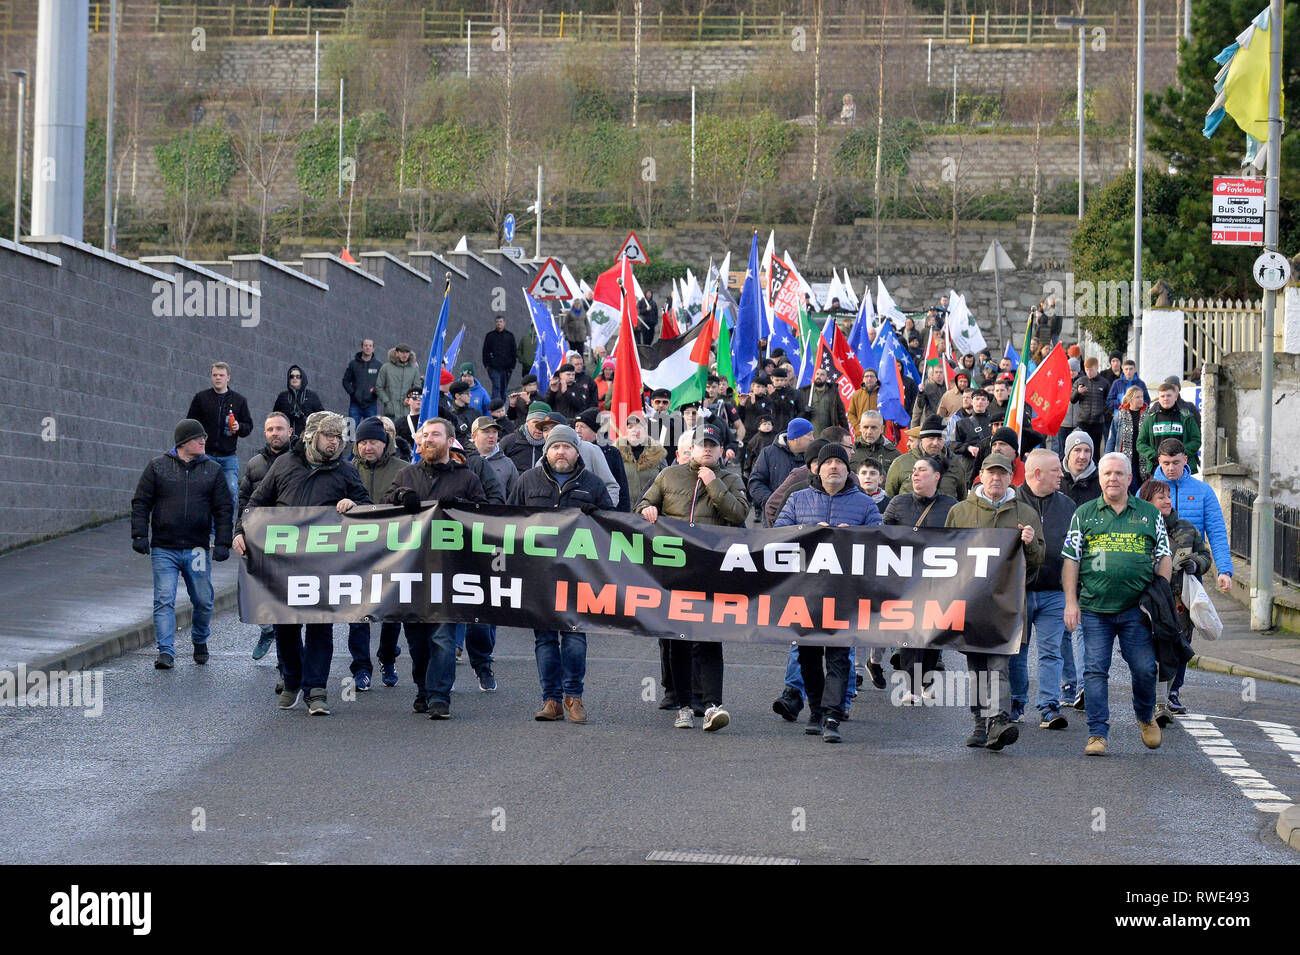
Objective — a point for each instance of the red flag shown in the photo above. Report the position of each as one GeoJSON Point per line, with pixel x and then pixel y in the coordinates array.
{"type": "Point", "coordinates": [627, 388]}
{"type": "Point", "coordinates": [668, 325]}
{"type": "Point", "coordinates": [346, 256]}
{"type": "Point", "coordinates": [702, 353]}
{"type": "Point", "coordinates": [1048, 391]}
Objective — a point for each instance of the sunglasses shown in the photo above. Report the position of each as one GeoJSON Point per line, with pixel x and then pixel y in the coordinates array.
{"type": "Point", "coordinates": [292, 377]}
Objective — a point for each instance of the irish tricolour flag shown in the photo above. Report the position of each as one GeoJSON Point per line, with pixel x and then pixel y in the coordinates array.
{"type": "Point", "coordinates": [683, 370]}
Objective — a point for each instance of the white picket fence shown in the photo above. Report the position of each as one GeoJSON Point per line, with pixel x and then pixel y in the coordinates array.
{"type": "Point", "coordinates": [1218, 327]}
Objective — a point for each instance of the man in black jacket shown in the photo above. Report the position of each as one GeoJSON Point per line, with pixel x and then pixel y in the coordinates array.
{"type": "Point", "coordinates": [499, 353]}
{"type": "Point", "coordinates": [1044, 598]}
{"type": "Point", "coordinates": [560, 480]}
{"type": "Point", "coordinates": [1090, 391]}
{"type": "Point", "coordinates": [313, 474]}
{"type": "Point", "coordinates": [588, 428]}
{"type": "Point", "coordinates": [359, 382]}
{"type": "Point", "coordinates": [224, 416]}
{"type": "Point", "coordinates": [441, 477]}
{"type": "Point", "coordinates": [279, 439]}
{"type": "Point", "coordinates": [297, 401]}
{"type": "Point", "coordinates": [180, 495]}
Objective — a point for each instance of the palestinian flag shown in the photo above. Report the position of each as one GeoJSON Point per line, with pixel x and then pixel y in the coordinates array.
{"type": "Point", "coordinates": [680, 365]}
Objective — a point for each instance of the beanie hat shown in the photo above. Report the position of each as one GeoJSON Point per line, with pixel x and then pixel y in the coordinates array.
{"type": "Point", "coordinates": [562, 434]}
{"type": "Point", "coordinates": [371, 429]}
{"type": "Point", "coordinates": [1074, 366]}
{"type": "Point", "coordinates": [833, 450]}
{"type": "Point", "coordinates": [187, 430]}
{"type": "Point", "coordinates": [467, 368]}
{"type": "Point", "coordinates": [1006, 436]}
{"type": "Point", "coordinates": [537, 411]}
{"type": "Point", "coordinates": [459, 388]}
{"type": "Point", "coordinates": [814, 448]}
{"type": "Point", "coordinates": [797, 428]}
{"type": "Point", "coordinates": [591, 418]}
{"type": "Point", "coordinates": [1076, 438]}
{"type": "Point", "coordinates": [445, 378]}
{"type": "Point", "coordinates": [1073, 351]}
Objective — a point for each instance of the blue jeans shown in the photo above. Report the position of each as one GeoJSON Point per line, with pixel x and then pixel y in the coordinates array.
{"type": "Point", "coordinates": [305, 667]}
{"type": "Point", "coordinates": [1071, 663]}
{"type": "Point", "coordinates": [433, 658]}
{"type": "Point", "coordinates": [230, 470]}
{"type": "Point", "coordinates": [500, 381]}
{"type": "Point", "coordinates": [359, 647]}
{"type": "Point", "coordinates": [359, 412]}
{"type": "Point", "coordinates": [195, 566]}
{"type": "Point", "coordinates": [479, 639]}
{"type": "Point", "coordinates": [794, 674]}
{"type": "Point", "coordinates": [1138, 651]}
{"type": "Point", "coordinates": [1018, 670]}
{"type": "Point", "coordinates": [1176, 683]}
{"type": "Point", "coordinates": [561, 662]}
{"type": "Point", "coordinates": [1045, 610]}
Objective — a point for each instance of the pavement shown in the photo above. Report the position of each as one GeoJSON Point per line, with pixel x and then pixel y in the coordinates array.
{"type": "Point", "coordinates": [198, 765]}
{"type": "Point", "coordinates": [1243, 652]}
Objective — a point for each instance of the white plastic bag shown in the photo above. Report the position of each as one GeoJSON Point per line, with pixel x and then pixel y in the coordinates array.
{"type": "Point", "coordinates": [1205, 619]}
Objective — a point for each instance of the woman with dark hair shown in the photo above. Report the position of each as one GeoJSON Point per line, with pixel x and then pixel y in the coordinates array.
{"type": "Point", "coordinates": [923, 506]}
{"type": "Point", "coordinates": [1191, 556]}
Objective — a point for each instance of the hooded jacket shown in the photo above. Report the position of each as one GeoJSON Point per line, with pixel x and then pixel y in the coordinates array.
{"type": "Point", "coordinates": [493, 489]}
{"type": "Point", "coordinates": [678, 492]}
{"type": "Point", "coordinates": [447, 481]}
{"type": "Point", "coordinates": [1054, 514]}
{"type": "Point", "coordinates": [503, 469]}
{"type": "Point", "coordinates": [297, 403]}
{"type": "Point", "coordinates": [1010, 512]}
{"type": "Point", "coordinates": [177, 504]}
{"type": "Point", "coordinates": [813, 505]}
{"type": "Point", "coordinates": [773, 466]}
{"type": "Point", "coordinates": [294, 482]}
{"type": "Point", "coordinates": [395, 380]}
{"type": "Point", "coordinates": [360, 379]}
{"type": "Point", "coordinates": [539, 487]}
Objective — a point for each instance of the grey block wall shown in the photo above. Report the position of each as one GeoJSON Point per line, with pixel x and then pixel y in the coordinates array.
{"type": "Point", "coordinates": [99, 368]}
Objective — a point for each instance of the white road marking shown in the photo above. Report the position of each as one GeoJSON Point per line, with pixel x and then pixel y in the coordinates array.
{"type": "Point", "coordinates": [1224, 755]}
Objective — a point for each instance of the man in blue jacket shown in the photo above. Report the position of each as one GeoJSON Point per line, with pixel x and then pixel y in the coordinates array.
{"type": "Point", "coordinates": [834, 501]}
{"type": "Point", "coordinates": [479, 399]}
{"type": "Point", "coordinates": [1195, 503]}
{"type": "Point", "coordinates": [1123, 384]}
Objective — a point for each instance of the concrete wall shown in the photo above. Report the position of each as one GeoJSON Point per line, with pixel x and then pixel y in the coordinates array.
{"type": "Point", "coordinates": [101, 369]}
{"type": "Point", "coordinates": [1237, 413]}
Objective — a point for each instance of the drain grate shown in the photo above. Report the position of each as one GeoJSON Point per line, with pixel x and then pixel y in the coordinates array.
{"type": "Point", "coordinates": [714, 858]}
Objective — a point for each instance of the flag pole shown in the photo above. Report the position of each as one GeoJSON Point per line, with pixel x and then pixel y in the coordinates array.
{"type": "Point", "coordinates": [1261, 563]}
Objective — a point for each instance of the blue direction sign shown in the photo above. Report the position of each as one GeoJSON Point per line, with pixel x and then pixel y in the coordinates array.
{"type": "Point", "coordinates": [509, 228]}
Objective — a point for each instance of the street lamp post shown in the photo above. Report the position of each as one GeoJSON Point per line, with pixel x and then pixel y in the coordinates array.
{"type": "Point", "coordinates": [1139, 151]}
{"type": "Point", "coordinates": [1069, 23]}
{"type": "Point", "coordinates": [18, 161]}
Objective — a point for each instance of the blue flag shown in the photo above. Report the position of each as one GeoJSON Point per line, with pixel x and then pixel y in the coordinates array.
{"type": "Point", "coordinates": [550, 344]}
{"type": "Point", "coordinates": [1015, 358]}
{"type": "Point", "coordinates": [433, 368]}
{"type": "Point", "coordinates": [867, 352]}
{"type": "Point", "coordinates": [783, 337]}
{"type": "Point", "coordinates": [744, 347]}
{"type": "Point", "coordinates": [453, 351]}
{"type": "Point", "coordinates": [890, 399]}
{"type": "Point", "coordinates": [895, 342]}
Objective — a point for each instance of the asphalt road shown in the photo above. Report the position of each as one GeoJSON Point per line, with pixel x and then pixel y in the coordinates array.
{"type": "Point", "coordinates": [197, 765]}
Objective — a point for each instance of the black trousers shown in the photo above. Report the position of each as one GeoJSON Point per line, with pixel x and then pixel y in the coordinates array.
{"type": "Point", "coordinates": [909, 657]}
{"type": "Point", "coordinates": [825, 693]}
{"type": "Point", "coordinates": [695, 673]}
{"type": "Point", "coordinates": [990, 693]}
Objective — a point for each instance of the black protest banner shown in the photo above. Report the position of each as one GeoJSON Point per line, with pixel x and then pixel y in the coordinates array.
{"type": "Point", "coordinates": [608, 571]}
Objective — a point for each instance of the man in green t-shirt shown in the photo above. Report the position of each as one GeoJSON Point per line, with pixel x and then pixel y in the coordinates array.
{"type": "Point", "coordinates": [1114, 548]}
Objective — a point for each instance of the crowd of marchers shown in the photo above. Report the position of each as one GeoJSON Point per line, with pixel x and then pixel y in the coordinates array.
{"type": "Point", "coordinates": [1107, 511]}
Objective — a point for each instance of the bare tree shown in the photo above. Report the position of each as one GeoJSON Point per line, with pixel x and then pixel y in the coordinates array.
{"type": "Point", "coordinates": [817, 128]}
{"type": "Point", "coordinates": [263, 136]}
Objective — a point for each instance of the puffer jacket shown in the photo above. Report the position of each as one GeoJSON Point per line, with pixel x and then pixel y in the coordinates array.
{"type": "Point", "coordinates": [1196, 504]}
{"type": "Point", "coordinates": [1010, 512]}
{"type": "Point", "coordinates": [773, 466]}
{"type": "Point", "coordinates": [177, 504]}
{"type": "Point", "coordinates": [1091, 404]}
{"type": "Point", "coordinates": [293, 482]}
{"type": "Point", "coordinates": [378, 477]}
{"type": "Point", "coordinates": [906, 509]}
{"type": "Point", "coordinates": [812, 505]}
{"type": "Point", "coordinates": [394, 381]}
{"type": "Point", "coordinates": [678, 492]}
{"type": "Point", "coordinates": [538, 487]}
{"type": "Point", "coordinates": [641, 471]}
{"type": "Point", "coordinates": [255, 470]}
{"type": "Point", "coordinates": [1055, 513]}
{"type": "Point", "coordinates": [449, 481]}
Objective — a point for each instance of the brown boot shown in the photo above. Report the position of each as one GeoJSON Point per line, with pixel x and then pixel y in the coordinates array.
{"type": "Point", "coordinates": [577, 712]}
{"type": "Point", "coordinates": [550, 712]}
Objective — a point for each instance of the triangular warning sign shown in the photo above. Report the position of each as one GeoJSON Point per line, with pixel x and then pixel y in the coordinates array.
{"type": "Point", "coordinates": [633, 251]}
{"type": "Point", "coordinates": [551, 284]}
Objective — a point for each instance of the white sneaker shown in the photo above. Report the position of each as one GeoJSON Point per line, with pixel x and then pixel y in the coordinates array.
{"type": "Point", "coordinates": [929, 693]}
{"type": "Point", "coordinates": [685, 719]}
{"type": "Point", "coordinates": [909, 699]}
{"type": "Point", "coordinates": [715, 717]}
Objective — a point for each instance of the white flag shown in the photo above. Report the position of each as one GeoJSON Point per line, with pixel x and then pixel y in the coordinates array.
{"type": "Point", "coordinates": [963, 331]}
{"type": "Point", "coordinates": [885, 304]}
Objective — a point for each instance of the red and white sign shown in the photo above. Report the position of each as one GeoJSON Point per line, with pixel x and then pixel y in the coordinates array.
{"type": "Point", "coordinates": [550, 284]}
{"type": "Point", "coordinates": [1237, 211]}
{"type": "Point", "coordinates": [633, 251]}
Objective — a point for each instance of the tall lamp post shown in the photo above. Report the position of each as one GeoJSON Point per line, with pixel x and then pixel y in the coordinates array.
{"type": "Point", "coordinates": [18, 161]}
{"type": "Point", "coordinates": [1069, 23]}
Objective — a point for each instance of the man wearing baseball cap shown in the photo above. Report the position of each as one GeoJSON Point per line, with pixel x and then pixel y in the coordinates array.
{"type": "Point", "coordinates": [561, 480]}
{"type": "Point", "coordinates": [486, 435]}
{"type": "Point", "coordinates": [993, 503]}
{"type": "Point", "coordinates": [702, 493]}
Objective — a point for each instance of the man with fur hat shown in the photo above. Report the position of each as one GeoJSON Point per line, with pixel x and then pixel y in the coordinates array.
{"type": "Point", "coordinates": [179, 498]}
{"type": "Point", "coordinates": [561, 480]}
{"type": "Point", "coordinates": [312, 474]}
